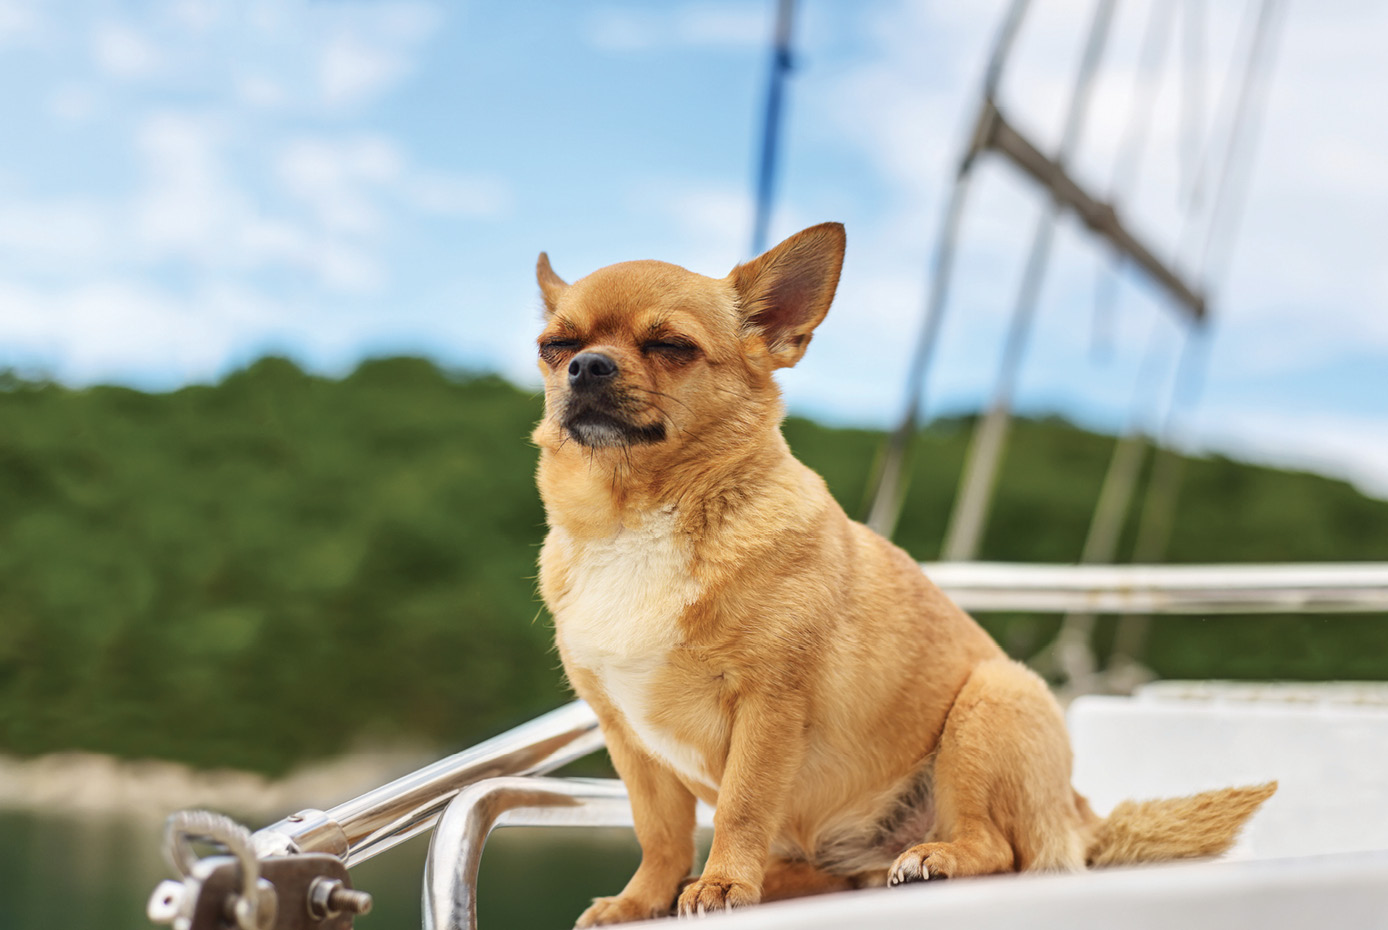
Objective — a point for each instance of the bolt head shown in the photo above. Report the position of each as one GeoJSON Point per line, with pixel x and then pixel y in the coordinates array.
{"type": "Point", "coordinates": [165, 903]}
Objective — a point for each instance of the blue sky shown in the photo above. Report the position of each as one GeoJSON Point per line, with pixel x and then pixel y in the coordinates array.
{"type": "Point", "coordinates": [186, 185]}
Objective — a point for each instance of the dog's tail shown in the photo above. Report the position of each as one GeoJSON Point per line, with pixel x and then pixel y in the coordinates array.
{"type": "Point", "coordinates": [1174, 828]}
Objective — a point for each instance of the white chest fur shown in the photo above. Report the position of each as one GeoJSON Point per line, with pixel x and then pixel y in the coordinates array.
{"type": "Point", "coordinates": [619, 619]}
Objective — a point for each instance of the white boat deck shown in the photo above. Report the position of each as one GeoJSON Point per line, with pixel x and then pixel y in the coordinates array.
{"type": "Point", "coordinates": [1334, 892]}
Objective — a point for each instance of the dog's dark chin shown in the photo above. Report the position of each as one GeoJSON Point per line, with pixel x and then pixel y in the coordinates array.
{"type": "Point", "coordinates": [599, 430]}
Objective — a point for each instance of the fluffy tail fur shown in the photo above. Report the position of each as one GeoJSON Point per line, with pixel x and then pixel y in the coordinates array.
{"type": "Point", "coordinates": [1174, 828]}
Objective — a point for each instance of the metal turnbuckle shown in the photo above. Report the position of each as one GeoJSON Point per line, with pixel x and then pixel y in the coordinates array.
{"type": "Point", "coordinates": [298, 891]}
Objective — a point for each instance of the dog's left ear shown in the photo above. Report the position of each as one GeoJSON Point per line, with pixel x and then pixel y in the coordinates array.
{"type": "Point", "coordinates": [552, 287]}
{"type": "Point", "coordinates": [785, 293]}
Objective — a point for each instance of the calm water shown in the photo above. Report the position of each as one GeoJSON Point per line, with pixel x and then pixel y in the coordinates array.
{"type": "Point", "coordinates": [58, 873]}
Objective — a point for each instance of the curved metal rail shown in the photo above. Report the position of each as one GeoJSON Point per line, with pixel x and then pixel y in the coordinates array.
{"type": "Point", "coordinates": [388, 816]}
{"type": "Point", "coordinates": [455, 850]}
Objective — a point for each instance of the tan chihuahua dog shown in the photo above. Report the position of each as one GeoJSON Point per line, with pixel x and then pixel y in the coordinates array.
{"type": "Point", "coordinates": [745, 643]}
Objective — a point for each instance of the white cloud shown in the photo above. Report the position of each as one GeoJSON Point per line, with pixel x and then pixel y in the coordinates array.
{"type": "Point", "coordinates": [337, 178]}
{"type": "Point", "coordinates": [55, 234]}
{"type": "Point", "coordinates": [20, 22]}
{"type": "Point", "coordinates": [205, 194]}
{"type": "Point", "coordinates": [198, 16]}
{"type": "Point", "coordinates": [351, 70]}
{"type": "Point", "coordinates": [1349, 447]}
{"type": "Point", "coordinates": [724, 25]}
{"type": "Point", "coordinates": [371, 49]}
{"type": "Point", "coordinates": [72, 103]}
{"type": "Point", "coordinates": [350, 181]}
{"type": "Point", "coordinates": [123, 52]}
{"type": "Point", "coordinates": [190, 210]}
{"type": "Point", "coordinates": [455, 195]}
{"type": "Point", "coordinates": [260, 91]}
{"type": "Point", "coordinates": [196, 206]}
{"type": "Point", "coordinates": [707, 222]}
{"type": "Point", "coordinates": [342, 56]}
{"type": "Point", "coordinates": [709, 213]}
{"type": "Point", "coordinates": [618, 31]}
{"type": "Point", "coordinates": [691, 25]}
{"type": "Point", "coordinates": [118, 329]}
{"type": "Point", "coordinates": [187, 204]}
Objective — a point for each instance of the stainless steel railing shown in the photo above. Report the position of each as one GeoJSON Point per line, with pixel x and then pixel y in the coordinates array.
{"type": "Point", "coordinates": [455, 849]}
{"type": "Point", "coordinates": [368, 825]}
{"type": "Point", "coordinates": [1165, 589]}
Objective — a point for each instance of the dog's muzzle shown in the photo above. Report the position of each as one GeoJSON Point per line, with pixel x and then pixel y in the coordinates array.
{"type": "Point", "coordinates": [596, 411]}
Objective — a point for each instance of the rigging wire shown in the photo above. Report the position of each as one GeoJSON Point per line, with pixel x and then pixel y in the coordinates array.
{"type": "Point", "coordinates": [887, 488]}
{"type": "Point", "coordinates": [1127, 163]}
{"type": "Point", "coordinates": [1157, 520]}
{"type": "Point", "coordinates": [1233, 184]}
{"type": "Point", "coordinates": [1070, 654]}
{"type": "Point", "coordinates": [781, 65]}
{"type": "Point", "coordinates": [970, 515]}
{"type": "Point", "coordinates": [1159, 507]}
{"type": "Point", "coordinates": [1238, 153]}
{"type": "Point", "coordinates": [1194, 14]}
{"type": "Point", "coordinates": [1232, 99]}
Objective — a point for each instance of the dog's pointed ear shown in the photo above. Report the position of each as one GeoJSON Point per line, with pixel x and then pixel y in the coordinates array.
{"type": "Point", "coordinates": [552, 287]}
{"type": "Point", "coordinates": [785, 293]}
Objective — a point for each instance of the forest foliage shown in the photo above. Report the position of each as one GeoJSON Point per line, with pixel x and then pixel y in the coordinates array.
{"type": "Point", "coordinates": [279, 566]}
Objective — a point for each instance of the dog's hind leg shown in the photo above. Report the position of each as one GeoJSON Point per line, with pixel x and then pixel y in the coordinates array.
{"type": "Point", "coordinates": [795, 878]}
{"type": "Point", "coordinates": [1003, 799]}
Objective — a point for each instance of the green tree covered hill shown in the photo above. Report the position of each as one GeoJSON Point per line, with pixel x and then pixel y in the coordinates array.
{"type": "Point", "coordinates": [262, 571]}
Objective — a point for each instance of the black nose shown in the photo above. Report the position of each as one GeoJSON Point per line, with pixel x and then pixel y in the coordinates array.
{"type": "Point", "coordinates": [591, 368]}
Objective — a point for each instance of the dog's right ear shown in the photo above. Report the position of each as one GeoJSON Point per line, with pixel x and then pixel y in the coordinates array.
{"type": "Point", "coordinates": [552, 287]}
{"type": "Point", "coordinates": [785, 293]}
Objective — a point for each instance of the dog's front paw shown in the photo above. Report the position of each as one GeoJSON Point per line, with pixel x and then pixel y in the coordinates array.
{"type": "Point", "coordinates": [618, 910]}
{"type": "Point", "coordinates": [922, 863]}
{"type": "Point", "coordinates": [714, 894]}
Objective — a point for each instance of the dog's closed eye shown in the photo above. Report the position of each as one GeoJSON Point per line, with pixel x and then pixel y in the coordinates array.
{"type": "Point", "coordinates": [673, 349]}
{"type": "Point", "coordinates": [552, 349]}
